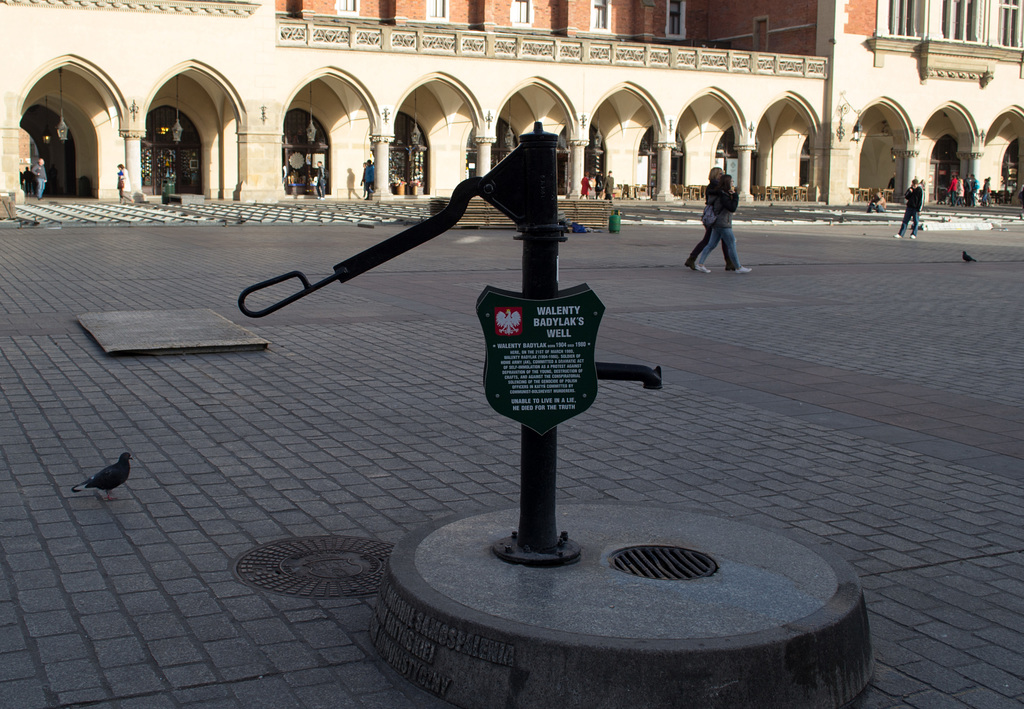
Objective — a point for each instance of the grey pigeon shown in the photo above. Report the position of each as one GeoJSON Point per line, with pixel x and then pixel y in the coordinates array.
{"type": "Point", "coordinates": [967, 257]}
{"type": "Point", "coordinates": [108, 478]}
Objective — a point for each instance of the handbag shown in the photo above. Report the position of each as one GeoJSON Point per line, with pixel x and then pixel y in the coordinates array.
{"type": "Point", "coordinates": [710, 216]}
{"type": "Point", "coordinates": [120, 183]}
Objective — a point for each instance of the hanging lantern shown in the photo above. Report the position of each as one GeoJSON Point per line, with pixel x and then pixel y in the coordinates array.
{"type": "Point", "coordinates": [417, 135]}
{"type": "Point", "coordinates": [417, 139]}
{"type": "Point", "coordinates": [62, 127]}
{"type": "Point", "coordinates": [176, 129]}
{"type": "Point", "coordinates": [310, 129]}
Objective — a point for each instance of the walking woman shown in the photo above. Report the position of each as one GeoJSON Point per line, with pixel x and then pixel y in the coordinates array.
{"type": "Point", "coordinates": [724, 201]}
{"type": "Point", "coordinates": [124, 186]}
{"type": "Point", "coordinates": [691, 263]}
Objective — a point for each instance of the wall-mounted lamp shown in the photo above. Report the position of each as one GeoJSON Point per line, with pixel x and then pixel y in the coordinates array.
{"type": "Point", "coordinates": [842, 109]}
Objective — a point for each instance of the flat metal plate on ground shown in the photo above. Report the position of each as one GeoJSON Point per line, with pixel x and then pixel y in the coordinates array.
{"type": "Point", "coordinates": [316, 567]}
{"type": "Point", "coordinates": [160, 332]}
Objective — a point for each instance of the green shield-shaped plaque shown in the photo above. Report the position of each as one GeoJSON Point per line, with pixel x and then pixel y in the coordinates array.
{"type": "Point", "coordinates": [540, 368]}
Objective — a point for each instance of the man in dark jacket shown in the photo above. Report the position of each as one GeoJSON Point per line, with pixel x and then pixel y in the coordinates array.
{"type": "Point", "coordinates": [369, 175]}
{"type": "Point", "coordinates": [915, 200]}
{"type": "Point", "coordinates": [40, 172]}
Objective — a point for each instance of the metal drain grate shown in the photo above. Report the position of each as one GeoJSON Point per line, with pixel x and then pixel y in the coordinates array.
{"type": "Point", "coordinates": [663, 562]}
{"type": "Point", "coordinates": [316, 567]}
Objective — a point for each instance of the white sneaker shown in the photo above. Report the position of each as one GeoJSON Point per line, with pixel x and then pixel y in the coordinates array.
{"type": "Point", "coordinates": [743, 269]}
{"type": "Point", "coordinates": [897, 236]}
{"type": "Point", "coordinates": [912, 236]}
{"type": "Point", "coordinates": [702, 268]}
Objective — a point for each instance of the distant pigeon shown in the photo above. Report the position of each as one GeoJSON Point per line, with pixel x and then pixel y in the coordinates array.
{"type": "Point", "coordinates": [108, 478]}
{"type": "Point", "coordinates": [968, 258]}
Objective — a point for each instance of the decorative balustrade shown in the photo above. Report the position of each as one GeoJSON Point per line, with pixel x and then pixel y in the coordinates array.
{"type": "Point", "coordinates": [363, 35]}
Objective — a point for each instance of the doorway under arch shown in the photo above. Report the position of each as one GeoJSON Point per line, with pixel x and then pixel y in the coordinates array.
{"type": "Point", "coordinates": [944, 164]}
{"type": "Point", "coordinates": [167, 160]}
{"type": "Point", "coordinates": [1008, 169]}
{"type": "Point", "coordinates": [410, 157]}
{"type": "Point", "coordinates": [300, 154]}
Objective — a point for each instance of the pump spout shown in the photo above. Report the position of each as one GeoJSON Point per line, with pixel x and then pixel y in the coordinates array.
{"type": "Point", "coordinates": [630, 372]}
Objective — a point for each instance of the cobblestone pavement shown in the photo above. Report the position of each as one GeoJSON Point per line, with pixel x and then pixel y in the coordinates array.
{"type": "Point", "coordinates": [73, 213]}
{"type": "Point", "coordinates": [854, 390]}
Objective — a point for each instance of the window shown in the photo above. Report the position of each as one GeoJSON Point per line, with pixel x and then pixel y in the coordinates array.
{"type": "Point", "coordinates": [520, 12]}
{"type": "Point", "coordinates": [437, 9]}
{"type": "Point", "coordinates": [600, 15]}
{"type": "Point", "coordinates": [676, 27]}
{"type": "Point", "coordinates": [903, 18]}
{"type": "Point", "coordinates": [959, 20]}
{"type": "Point", "coordinates": [1009, 23]}
{"type": "Point", "coordinates": [347, 7]}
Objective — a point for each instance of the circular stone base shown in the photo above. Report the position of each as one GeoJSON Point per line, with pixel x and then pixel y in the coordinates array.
{"type": "Point", "coordinates": [777, 626]}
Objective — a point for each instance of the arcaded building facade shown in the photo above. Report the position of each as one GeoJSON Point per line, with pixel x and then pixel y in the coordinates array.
{"type": "Point", "coordinates": [240, 99]}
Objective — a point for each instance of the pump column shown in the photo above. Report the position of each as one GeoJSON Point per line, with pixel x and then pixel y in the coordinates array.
{"type": "Point", "coordinates": [537, 539]}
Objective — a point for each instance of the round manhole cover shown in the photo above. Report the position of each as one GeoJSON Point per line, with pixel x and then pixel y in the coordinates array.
{"type": "Point", "coordinates": [666, 563]}
{"type": "Point", "coordinates": [316, 567]}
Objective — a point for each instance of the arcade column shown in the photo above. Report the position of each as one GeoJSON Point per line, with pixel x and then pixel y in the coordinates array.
{"type": "Point", "coordinates": [382, 164]}
{"type": "Point", "coordinates": [9, 167]}
{"type": "Point", "coordinates": [576, 165]}
{"type": "Point", "coordinates": [664, 172]}
{"type": "Point", "coordinates": [909, 162]}
{"type": "Point", "coordinates": [483, 155]}
{"type": "Point", "coordinates": [132, 162]}
{"type": "Point", "coordinates": [743, 179]}
{"type": "Point", "coordinates": [260, 171]}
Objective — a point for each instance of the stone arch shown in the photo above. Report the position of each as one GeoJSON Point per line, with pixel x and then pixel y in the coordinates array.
{"type": "Point", "coordinates": [999, 162]}
{"type": "Point", "coordinates": [94, 110]}
{"type": "Point", "coordinates": [623, 115]}
{"type": "Point", "coordinates": [446, 112]}
{"type": "Point", "coordinates": [786, 127]}
{"type": "Point", "coordinates": [953, 120]}
{"type": "Point", "coordinates": [703, 122]}
{"type": "Point", "coordinates": [218, 113]}
{"type": "Point", "coordinates": [537, 99]}
{"type": "Point", "coordinates": [885, 135]}
{"type": "Point", "coordinates": [350, 117]}
{"type": "Point", "coordinates": [532, 100]}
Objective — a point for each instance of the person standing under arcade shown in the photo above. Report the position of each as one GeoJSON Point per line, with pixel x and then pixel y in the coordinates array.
{"type": "Point", "coordinates": [39, 171]}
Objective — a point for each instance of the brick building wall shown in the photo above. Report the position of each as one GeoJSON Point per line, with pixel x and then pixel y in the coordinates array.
{"type": "Point", "coordinates": [635, 19]}
{"type": "Point", "coordinates": [861, 17]}
{"type": "Point", "coordinates": [765, 25]}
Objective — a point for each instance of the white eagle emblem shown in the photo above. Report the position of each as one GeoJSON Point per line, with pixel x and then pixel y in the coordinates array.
{"type": "Point", "coordinates": [508, 321]}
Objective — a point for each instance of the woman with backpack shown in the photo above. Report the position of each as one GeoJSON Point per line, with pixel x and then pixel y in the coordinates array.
{"type": "Point", "coordinates": [713, 177]}
{"type": "Point", "coordinates": [723, 201]}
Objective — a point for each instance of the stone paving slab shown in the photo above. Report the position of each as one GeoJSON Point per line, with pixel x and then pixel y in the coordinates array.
{"type": "Point", "coordinates": [853, 391]}
{"type": "Point", "coordinates": [163, 332]}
